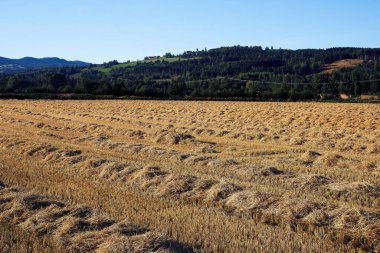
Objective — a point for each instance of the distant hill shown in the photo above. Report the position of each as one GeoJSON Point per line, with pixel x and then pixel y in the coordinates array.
{"type": "Point", "coordinates": [16, 65]}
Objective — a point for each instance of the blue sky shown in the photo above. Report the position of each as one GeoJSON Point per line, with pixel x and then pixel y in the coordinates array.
{"type": "Point", "coordinates": [98, 31]}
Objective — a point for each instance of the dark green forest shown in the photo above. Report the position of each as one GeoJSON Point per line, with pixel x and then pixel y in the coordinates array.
{"type": "Point", "coordinates": [252, 73]}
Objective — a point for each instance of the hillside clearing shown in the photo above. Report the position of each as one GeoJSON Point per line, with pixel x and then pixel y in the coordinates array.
{"type": "Point", "coordinates": [341, 64]}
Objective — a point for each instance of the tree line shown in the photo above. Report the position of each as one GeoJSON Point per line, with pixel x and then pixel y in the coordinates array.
{"type": "Point", "coordinates": [227, 72]}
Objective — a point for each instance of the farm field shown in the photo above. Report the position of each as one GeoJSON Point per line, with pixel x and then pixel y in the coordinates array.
{"type": "Point", "coordinates": [178, 176]}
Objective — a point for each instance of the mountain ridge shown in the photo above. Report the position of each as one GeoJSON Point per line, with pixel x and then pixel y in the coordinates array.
{"type": "Point", "coordinates": [8, 65]}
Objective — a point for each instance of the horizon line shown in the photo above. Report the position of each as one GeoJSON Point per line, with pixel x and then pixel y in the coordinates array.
{"type": "Point", "coordinates": [194, 50]}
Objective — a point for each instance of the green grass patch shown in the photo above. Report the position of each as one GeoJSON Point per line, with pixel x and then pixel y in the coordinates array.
{"type": "Point", "coordinates": [134, 63]}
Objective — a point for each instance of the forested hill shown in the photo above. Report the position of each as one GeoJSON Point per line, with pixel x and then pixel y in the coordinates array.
{"type": "Point", "coordinates": [227, 72]}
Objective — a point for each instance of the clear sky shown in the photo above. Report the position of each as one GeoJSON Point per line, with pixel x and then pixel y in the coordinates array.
{"type": "Point", "coordinates": [98, 31]}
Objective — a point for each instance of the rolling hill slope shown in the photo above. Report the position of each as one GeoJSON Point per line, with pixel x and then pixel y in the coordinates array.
{"type": "Point", "coordinates": [251, 73]}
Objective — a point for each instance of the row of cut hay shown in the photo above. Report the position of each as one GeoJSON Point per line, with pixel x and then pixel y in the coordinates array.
{"type": "Point", "coordinates": [232, 198]}
{"type": "Point", "coordinates": [77, 228]}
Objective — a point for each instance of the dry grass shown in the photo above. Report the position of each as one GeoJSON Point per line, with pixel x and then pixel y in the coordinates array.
{"type": "Point", "coordinates": [77, 228]}
{"type": "Point", "coordinates": [347, 63]}
{"type": "Point", "coordinates": [298, 172]}
{"type": "Point", "coordinates": [15, 240]}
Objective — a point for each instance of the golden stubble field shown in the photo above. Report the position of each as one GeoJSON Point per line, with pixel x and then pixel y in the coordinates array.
{"type": "Point", "coordinates": [168, 176]}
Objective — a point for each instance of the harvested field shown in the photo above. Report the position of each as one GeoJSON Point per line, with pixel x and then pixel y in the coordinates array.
{"type": "Point", "coordinates": [77, 228]}
{"type": "Point", "coordinates": [199, 176]}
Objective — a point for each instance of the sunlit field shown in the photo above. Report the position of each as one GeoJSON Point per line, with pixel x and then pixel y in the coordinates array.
{"type": "Point", "coordinates": [164, 176]}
